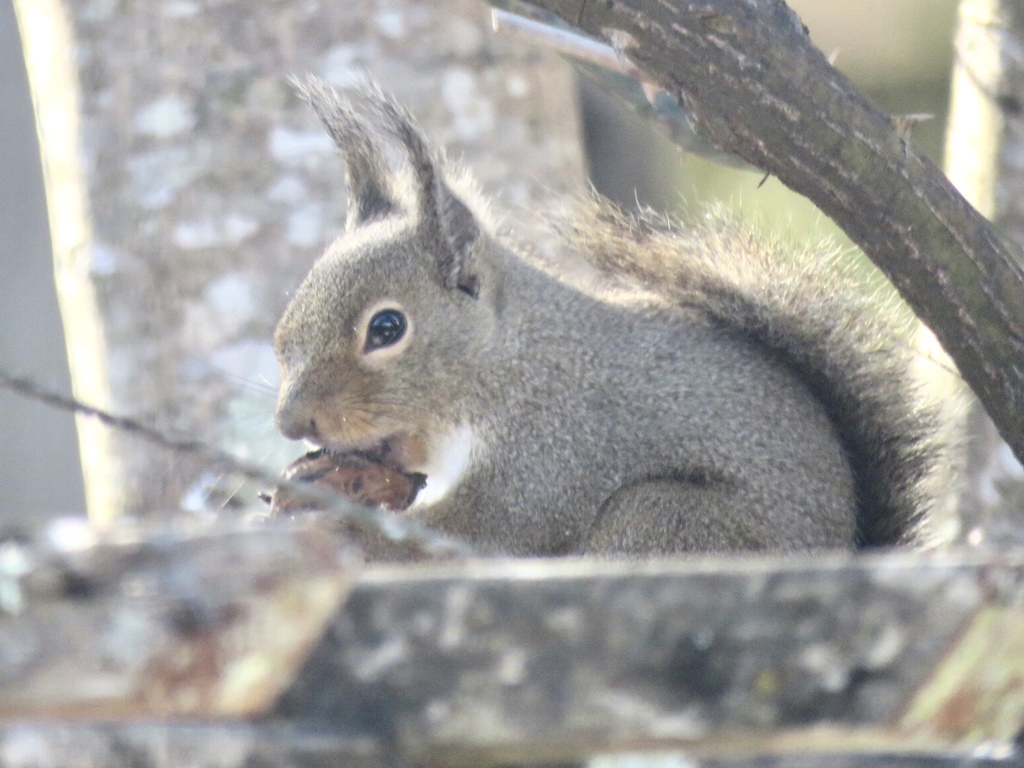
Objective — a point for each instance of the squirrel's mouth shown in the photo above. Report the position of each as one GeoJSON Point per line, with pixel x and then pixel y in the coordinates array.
{"type": "Point", "coordinates": [389, 452]}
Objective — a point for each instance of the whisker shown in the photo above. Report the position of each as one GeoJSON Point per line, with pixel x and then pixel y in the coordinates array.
{"type": "Point", "coordinates": [261, 387]}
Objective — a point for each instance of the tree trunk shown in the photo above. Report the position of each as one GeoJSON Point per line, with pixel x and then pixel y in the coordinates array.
{"type": "Point", "coordinates": [189, 191]}
{"type": "Point", "coordinates": [985, 142]}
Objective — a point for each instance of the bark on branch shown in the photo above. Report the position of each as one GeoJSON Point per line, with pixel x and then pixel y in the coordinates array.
{"type": "Point", "coordinates": [759, 89]}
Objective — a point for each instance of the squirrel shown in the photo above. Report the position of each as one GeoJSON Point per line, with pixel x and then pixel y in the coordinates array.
{"type": "Point", "coordinates": [701, 389]}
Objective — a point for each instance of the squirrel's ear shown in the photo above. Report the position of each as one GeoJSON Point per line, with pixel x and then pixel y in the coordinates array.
{"type": "Point", "coordinates": [444, 220]}
{"type": "Point", "coordinates": [458, 230]}
{"type": "Point", "coordinates": [370, 190]}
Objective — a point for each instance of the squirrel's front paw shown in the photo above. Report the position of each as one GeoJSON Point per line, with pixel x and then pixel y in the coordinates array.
{"type": "Point", "coordinates": [353, 475]}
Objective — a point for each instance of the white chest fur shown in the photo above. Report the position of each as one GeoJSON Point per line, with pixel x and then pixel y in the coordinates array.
{"type": "Point", "coordinates": [448, 458]}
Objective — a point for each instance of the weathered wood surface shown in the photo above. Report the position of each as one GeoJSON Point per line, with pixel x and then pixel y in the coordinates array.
{"type": "Point", "coordinates": [498, 662]}
{"type": "Point", "coordinates": [164, 623]}
{"type": "Point", "coordinates": [155, 745]}
{"type": "Point", "coordinates": [558, 659]}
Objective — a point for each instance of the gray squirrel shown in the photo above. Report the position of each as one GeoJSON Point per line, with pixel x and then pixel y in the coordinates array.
{"type": "Point", "coordinates": [702, 389]}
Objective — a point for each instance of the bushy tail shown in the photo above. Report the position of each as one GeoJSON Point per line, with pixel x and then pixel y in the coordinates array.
{"type": "Point", "coordinates": [857, 354]}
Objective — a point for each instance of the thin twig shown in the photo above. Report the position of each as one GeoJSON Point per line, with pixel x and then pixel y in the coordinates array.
{"type": "Point", "coordinates": [613, 72]}
{"type": "Point", "coordinates": [563, 41]}
{"type": "Point", "coordinates": [391, 526]}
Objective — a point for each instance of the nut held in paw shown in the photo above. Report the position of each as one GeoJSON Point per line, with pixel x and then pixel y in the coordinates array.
{"type": "Point", "coordinates": [353, 475]}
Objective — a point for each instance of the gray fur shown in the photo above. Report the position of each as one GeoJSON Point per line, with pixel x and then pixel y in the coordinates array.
{"type": "Point", "coordinates": [709, 392]}
{"type": "Point", "coordinates": [372, 193]}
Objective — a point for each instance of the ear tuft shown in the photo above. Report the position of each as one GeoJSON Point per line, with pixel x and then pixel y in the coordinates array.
{"type": "Point", "coordinates": [370, 186]}
{"type": "Point", "coordinates": [447, 223]}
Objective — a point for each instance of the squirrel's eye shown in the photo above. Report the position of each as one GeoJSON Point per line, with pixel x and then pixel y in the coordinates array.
{"type": "Point", "coordinates": [386, 328]}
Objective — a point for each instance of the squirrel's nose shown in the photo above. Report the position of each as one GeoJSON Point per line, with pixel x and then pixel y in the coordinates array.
{"type": "Point", "coordinates": [294, 420]}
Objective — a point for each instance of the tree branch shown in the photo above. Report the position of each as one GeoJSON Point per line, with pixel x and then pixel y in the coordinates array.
{"type": "Point", "coordinates": [756, 87]}
{"type": "Point", "coordinates": [391, 527]}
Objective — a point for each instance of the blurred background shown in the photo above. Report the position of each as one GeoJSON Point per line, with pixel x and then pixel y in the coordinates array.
{"type": "Point", "coordinates": [40, 474]}
{"type": "Point", "coordinates": [899, 53]}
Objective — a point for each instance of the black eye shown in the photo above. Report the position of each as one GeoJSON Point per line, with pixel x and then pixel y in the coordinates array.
{"type": "Point", "coordinates": [386, 327]}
